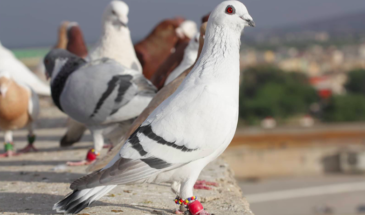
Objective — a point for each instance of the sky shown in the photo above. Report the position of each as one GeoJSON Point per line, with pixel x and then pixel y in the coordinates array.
{"type": "Point", "coordinates": [34, 23]}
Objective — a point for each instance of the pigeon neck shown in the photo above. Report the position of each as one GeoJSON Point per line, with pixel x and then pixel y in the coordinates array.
{"type": "Point", "coordinates": [62, 70]}
{"type": "Point", "coordinates": [116, 43]}
{"type": "Point", "coordinates": [220, 52]}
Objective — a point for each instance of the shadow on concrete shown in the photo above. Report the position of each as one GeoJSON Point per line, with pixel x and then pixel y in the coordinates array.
{"type": "Point", "coordinates": [53, 149]}
{"type": "Point", "coordinates": [36, 203]}
{"type": "Point", "coordinates": [34, 176]}
{"type": "Point", "coordinates": [51, 123]}
{"type": "Point", "coordinates": [32, 162]}
{"type": "Point", "coordinates": [53, 138]}
{"type": "Point", "coordinates": [32, 203]}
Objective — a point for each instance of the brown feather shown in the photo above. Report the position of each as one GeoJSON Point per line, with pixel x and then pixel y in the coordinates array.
{"type": "Point", "coordinates": [157, 46]}
{"type": "Point", "coordinates": [174, 60]}
{"type": "Point", "coordinates": [76, 43]}
{"type": "Point", "coordinates": [14, 106]}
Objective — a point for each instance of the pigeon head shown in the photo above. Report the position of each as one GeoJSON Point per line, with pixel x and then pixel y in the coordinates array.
{"type": "Point", "coordinates": [116, 14]}
{"type": "Point", "coordinates": [56, 59]}
{"type": "Point", "coordinates": [76, 44]}
{"type": "Point", "coordinates": [232, 14]}
{"type": "Point", "coordinates": [5, 82]}
{"type": "Point", "coordinates": [187, 29]}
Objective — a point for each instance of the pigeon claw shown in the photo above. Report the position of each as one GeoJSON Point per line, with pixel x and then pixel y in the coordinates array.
{"type": "Point", "coordinates": [203, 185]}
{"type": "Point", "coordinates": [8, 154]}
{"type": "Point", "coordinates": [79, 163]}
{"type": "Point", "coordinates": [28, 148]}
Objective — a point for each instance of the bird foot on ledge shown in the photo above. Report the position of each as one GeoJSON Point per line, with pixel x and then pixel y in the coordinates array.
{"type": "Point", "coordinates": [79, 163]}
{"type": "Point", "coordinates": [203, 185]}
{"type": "Point", "coordinates": [28, 148]}
{"type": "Point", "coordinates": [9, 154]}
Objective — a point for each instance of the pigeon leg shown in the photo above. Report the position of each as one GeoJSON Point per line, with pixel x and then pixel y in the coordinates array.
{"type": "Point", "coordinates": [203, 185]}
{"type": "Point", "coordinates": [8, 145]}
{"type": "Point", "coordinates": [92, 154]}
{"type": "Point", "coordinates": [31, 138]}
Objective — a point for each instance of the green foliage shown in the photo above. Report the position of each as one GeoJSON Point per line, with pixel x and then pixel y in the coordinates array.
{"type": "Point", "coordinates": [344, 108]}
{"type": "Point", "coordinates": [268, 91]}
{"type": "Point", "coordinates": [356, 82]}
{"type": "Point", "coordinates": [349, 107]}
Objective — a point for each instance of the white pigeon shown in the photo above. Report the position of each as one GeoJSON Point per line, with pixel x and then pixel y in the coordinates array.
{"type": "Point", "coordinates": [186, 131]}
{"type": "Point", "coordinates": [190, 55]}
{"type": "Point", "coordinates": [101, 94]}
{"type": "Point", "coordinates": [115, 43]}
{"type": "Point", "coordinates": [20, 73]}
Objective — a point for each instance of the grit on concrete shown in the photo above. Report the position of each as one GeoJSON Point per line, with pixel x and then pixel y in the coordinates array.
{"type": "Point", "coordinates": [32, 183]}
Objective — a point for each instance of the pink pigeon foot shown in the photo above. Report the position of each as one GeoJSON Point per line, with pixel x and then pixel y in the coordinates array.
{"type": "Point", "coordinates": [108, 146]}
{"type": "Point", "coordinates": [204, 212]}
{"type": "Point", "coordinates": [28, 148]}
{"type": "Point", "coordinates": [8, 154]}
{"type": "Point", "coordinates": [179, 212]}
{"type": "Point", "coordinates": [203, 185]}
{"type": "Point", "coordinates": [79, 163]}
{"type": "Point", "coordinates": [9, 150]}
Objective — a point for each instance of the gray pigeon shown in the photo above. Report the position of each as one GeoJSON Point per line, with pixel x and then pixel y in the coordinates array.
{"type": "Point", "coordinates": [101, 94]}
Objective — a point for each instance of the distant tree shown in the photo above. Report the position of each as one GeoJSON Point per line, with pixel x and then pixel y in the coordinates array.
{"type": "Point", "coordinates": [345, 108]}
{"type": "Point", "coordinates": [356, 82]}
{"type": "Point", "coordinates": [268, 91]}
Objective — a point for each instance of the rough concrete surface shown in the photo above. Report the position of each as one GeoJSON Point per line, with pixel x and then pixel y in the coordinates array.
{"type": "Point", "coordinates": [32, 183]}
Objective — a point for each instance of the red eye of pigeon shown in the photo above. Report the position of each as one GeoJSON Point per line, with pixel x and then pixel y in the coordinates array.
{"type": "Point", "coordinates": [230, 10]}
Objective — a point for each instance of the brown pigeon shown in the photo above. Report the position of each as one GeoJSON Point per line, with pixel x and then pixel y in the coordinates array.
{"type": "Point", "coordinates": [19, 107]}
{"type": "Point", "coordinates": [157, 46]}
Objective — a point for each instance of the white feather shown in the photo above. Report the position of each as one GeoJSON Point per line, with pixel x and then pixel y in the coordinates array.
{"type": "Point", "coordinates": [20, 73]}
{"type": "Point", "coordinates": [190, 55]}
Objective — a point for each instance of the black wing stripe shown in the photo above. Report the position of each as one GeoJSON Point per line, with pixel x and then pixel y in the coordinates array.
{"type": "Point", "coordinates": [111, 86]}
{"type": "Point", "coordinates": [124, 84]}
{"type": "Point", "coordinates": [147, 130]}
{"type": "Point", "coordinates": [134, 140]}
{"type": "Point", "coordinates": [156, 163]}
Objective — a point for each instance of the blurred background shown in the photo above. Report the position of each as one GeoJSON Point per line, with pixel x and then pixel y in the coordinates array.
{"type": "Point", "coordinates": [300, 143]}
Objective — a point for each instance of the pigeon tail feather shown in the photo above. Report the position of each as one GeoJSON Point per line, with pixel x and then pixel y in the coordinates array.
{"type": "Point", "coordinates": [76, 201]}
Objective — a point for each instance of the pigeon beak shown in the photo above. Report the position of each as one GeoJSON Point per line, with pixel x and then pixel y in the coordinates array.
{"type": "Point", "coordinates": [123, 23]}
{"type": "Point", "coordinates": [119, 24]}
{"type": "Point", "coordinates": [251, 23]}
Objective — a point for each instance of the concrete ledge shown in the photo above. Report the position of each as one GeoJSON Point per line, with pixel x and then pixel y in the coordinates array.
{"type": "Point", "coordinates": [32, 183]}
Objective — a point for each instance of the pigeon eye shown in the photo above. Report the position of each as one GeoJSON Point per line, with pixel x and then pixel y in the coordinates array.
{"type": "Point", "coordinates": [46, 62]}
{"type": "Point", "coordinates": [114, 13]}
{"type": "Point", "coordinates": [230, 10]}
